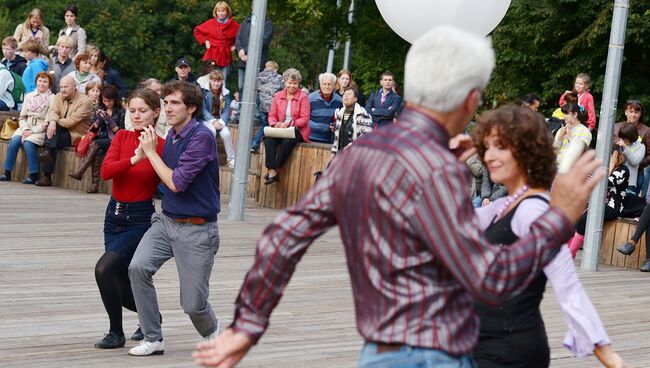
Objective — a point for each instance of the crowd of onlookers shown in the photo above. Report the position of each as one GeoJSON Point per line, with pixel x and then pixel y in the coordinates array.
{"type": "Point", "coordinates": [69, 91]}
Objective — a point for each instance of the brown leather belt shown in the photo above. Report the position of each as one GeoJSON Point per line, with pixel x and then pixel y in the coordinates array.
{"type": "Point", "coordinates": [191, 220]}
{"type": "Point", "coordinates": [386, 348]}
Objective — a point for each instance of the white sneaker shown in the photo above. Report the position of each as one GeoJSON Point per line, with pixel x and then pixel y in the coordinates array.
{"type": "Point", "coordinates": [231, 163]}
{"type": "Point", "coordinates": [213, 335]}
{"type": "Point", "coordinates": [148, 348]}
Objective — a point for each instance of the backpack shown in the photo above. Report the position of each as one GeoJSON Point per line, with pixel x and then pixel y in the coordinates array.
{"type": "Point", "coordinates": [18, 91]}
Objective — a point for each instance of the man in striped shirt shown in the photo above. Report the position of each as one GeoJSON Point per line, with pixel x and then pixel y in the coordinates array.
{"type": "Point", "coordinates": [399, 196]}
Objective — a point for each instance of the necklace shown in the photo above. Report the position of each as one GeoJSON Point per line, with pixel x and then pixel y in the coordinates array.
{"type": "Point", "coordinates": [511, 199]}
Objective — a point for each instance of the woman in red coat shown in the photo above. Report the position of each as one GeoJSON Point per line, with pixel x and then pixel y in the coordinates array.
{"type": "Point", "coordinates": [218, 34]}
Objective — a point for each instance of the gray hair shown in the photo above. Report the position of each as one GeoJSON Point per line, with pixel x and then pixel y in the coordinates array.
{"type": "Point", "coordinates": [331, 76]}
{"type": "Point", "coordinates": [148, 82]}
{"type": "Point", "coordinates": [444, 66]}
{"type": "Point", "coordinates": [292, 74]}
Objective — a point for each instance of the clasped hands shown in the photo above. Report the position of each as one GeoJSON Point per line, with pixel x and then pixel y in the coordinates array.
{"type": "Point", "coordinates": [148, 144]}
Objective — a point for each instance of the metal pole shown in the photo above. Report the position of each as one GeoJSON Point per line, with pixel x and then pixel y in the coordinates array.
{"type": "Point", "coordinates": [245, 133]}
{"type": "Point", "coordinates": [330, 54]}
{"type": "Point", "coordinates": [346, 55]}
{"type": "Point", "coordinates": [330, 60]}
{"type": "Point", "coordinates": [594, 229]}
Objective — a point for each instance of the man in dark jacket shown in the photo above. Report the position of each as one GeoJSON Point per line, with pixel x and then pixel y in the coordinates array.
{"type": "Point", "coordinates": [14, 62]}
{"type": "Point", "coordinates": [242, 47]}
{"type": "Point", "coordinates": [383, 104]}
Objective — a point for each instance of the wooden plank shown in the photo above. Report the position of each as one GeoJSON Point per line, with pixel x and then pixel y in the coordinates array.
{"type": "Point", "coordinates": [607, 244]}
{"type": "Point", "coordinates": [632, 260]}
{"type": "Point", "coordinates": [622, 231]}
{"type": "Point", "coordinates": [51, 312]}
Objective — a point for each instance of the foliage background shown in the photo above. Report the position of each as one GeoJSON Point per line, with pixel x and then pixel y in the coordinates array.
{"type": "Point", "coordinates": [541, 44]}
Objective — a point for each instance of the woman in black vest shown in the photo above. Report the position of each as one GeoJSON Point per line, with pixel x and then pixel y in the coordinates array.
{"type": "Point", "coordinates": [514, 144]}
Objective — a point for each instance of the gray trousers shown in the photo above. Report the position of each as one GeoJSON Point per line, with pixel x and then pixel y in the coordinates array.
{"type": "Point", "coordinates": [194, 247]}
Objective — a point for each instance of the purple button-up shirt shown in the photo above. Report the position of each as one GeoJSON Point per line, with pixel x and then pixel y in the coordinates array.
{"type": "Point", "coordinates": [415, 253]}
{"type": "Point", "coordinates": [199, 151]}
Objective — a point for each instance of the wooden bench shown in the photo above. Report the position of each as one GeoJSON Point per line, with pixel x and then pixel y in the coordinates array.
{"type": "Point", "coordinates": [296, 175]}
{"type": "Point", "coordinates": [616, 233]}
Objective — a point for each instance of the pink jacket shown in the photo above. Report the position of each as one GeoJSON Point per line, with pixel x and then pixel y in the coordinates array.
{"type": "Point", "coordinates": [586, 100]}
{"type": "Point", "coordinates": [300, 111]}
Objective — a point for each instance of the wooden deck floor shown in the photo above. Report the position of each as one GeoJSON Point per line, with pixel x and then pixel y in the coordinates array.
{"type": "Point", "coordinates": [51, 313]}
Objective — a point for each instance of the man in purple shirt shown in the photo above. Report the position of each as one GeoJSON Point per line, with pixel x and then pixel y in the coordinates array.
{"type": "Point", "coordinates": [416, 255]}
{"type": "Point", "coordinates": [187, 227]}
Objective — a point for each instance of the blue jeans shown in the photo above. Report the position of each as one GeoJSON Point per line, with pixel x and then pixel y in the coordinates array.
{"type": "Point", "coordinates": [3, 106]}
{"type": "Point", "coordinates": [264, 121]}
{"type": "Point", "coordinates": [412, 357]}
{"type": "Point", "coordinates": [125, 225]}
{"type": "Point", "coordinates": [645, 173]}
{"type": "Point", "coordinates": [30, 152]}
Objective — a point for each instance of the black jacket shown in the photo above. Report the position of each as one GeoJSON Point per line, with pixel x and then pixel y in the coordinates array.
{"type": "Point", "coordinates": [17, 66]}
{"type": "Point", "coordinates": [242, 41]}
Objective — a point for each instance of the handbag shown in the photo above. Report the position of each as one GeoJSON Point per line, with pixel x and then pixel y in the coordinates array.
{"type": "Point", "coordinates": [8, 128]}
{"type": "Point", "coordinates": [271, 132]}
{"type": "Point", "coordinates": [81, 146]}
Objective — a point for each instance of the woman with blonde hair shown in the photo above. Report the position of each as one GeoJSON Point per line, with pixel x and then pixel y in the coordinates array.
{"type": "Point", "coordinates": [31, 130]}
{"type": "Point", "coordinates": [33, 29]}
{"type": "Point", "coordinates": [218, 36]}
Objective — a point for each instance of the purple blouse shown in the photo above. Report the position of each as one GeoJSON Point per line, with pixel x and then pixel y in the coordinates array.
{"type": "Point", "coordinates": [585, 327]}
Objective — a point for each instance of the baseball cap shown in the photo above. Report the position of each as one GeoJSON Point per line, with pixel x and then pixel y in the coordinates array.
{"type": "Point", "coordinates": [182, 61]}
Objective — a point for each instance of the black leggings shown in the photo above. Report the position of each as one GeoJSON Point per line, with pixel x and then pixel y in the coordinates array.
{"type": "Point", "coordinates": [610, 214]}
{"type": "Point", "coordinates": [642, 227]}
{"type": "Point", "coordinates": [111, 274]}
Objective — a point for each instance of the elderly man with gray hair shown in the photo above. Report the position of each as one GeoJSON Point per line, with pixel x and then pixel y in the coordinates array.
{"type": "Point", "coordinates": [416, 256]}
{"type": "Point", "coordinates": [323, 103]}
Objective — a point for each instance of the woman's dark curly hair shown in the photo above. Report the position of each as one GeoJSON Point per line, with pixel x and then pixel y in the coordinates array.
{"type": "Point", "coordinates": [525, 133]}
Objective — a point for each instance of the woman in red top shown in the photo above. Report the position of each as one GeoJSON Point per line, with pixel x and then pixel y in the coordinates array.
{"type": "Point", "coordinates": [218, 35]}
{"type": "Point", "coordinates": [128, 215]}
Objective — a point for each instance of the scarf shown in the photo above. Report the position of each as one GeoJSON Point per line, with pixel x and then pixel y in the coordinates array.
{"type": "Point", "coordinates": [39, 102]}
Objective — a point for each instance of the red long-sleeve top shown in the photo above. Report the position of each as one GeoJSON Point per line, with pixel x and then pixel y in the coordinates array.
{"type": "Point", "coordinates": [131, 183]}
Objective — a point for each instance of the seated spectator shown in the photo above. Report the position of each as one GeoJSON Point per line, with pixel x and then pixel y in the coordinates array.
{"type": "Point", "coordinates": [290, 109]}
{"type": "Point", "coordinates": [33, 29]}
{"type": "Point", "coordinates": [529, 100]}
{"type": "Point", "coordinates": [35, 65]}
{"type": "Point", "coordinates": [490, 191]}
{"type": "Point", "coordinates": [95, 63]}
{"type": "Point", "coordinates": [206, 67]}
{"type": "Point", "coordinates": [269, 82]}
{"type": "Point", "coordinates": [83, 75]}
{"type": "Point", "coordinates": [344, 81]}
{"type": "Point", "coordinates": [184, 71]}
{"type": "Point", "coordinates": [323, 103]}
{"type": "Point", "coordinates": [634, 115]}
{"type": "Point", "coordinates": [476, 168]}
{"type": "Point", "coordinates": [218, 35]}
{"type": "Point", "coordinates": [216, 112]}
{"type": "Point", "coordinates": [384, 104]}
{"type": "Point", "coordinates": [110, 75]}
{"type": "Point", "coordinates": [61, 64]}
{"type": "Point", "coordinates": [162, 127]}
{"type": "Point", "coordinates": [633, 150]}
{"type": "Point", "coordinates": [617, 184]}
{"type": "Point", "coordinates": [575, 117]}
{"type": "Point", "coordinates": [6, 86]}
{"type": "Point", "coordinates": [351, 121]}
{"type": "Point", "coordinates": [234, 108]}
{"type": "Point", "coordinates": [73, 30]}
{"type": "Point", "coordinates": [109, 119]}
{"type": "Point", "coordinates": [31, 129]}
{"type": "Point", "coordinates": [11, 59]}
{"type": "Point", "coordinates": [94, 92]}
{"type": "Point", "coordinates": [67, 121]}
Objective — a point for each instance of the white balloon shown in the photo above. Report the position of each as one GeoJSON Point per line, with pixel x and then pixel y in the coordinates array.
{"type": "Point", "coordinates": [412, 18]}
